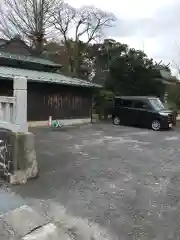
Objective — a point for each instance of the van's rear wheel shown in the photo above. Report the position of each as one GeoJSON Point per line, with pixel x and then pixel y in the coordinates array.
{"type": "Point", "coordinates": [116, 120]}
{"type": "Point", "coordinates": [156, 125]}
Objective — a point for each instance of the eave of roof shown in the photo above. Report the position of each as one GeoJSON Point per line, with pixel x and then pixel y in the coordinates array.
{"type": "Point", "coordinates": [39, 76]}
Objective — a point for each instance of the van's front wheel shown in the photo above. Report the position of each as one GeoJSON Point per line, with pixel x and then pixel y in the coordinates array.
{"type": "Point", "coordinates": [116, 121]}
{"type": "Point", "coordinates": [156, 125]}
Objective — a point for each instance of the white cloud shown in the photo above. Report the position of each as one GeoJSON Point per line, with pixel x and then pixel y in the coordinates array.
{"type": "Point", "coordinates": [152, 24]}
{"type": "Point", "coordinates": [125, 9]}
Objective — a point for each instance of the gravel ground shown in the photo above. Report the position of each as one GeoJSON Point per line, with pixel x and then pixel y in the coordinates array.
{"type": "Point", "coordinates": [127, 180]}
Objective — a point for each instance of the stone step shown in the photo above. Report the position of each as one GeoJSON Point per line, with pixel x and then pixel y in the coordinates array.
{"type": "Point", "coordinates": [76, 228]}
{"type": "Point", "coordinates": [46, 220]}
{"type": "Point", "coordinates": [47, 232]}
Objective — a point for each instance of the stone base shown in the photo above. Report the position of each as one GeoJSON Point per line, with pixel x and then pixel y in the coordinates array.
{"type": "Point", "coordinates": [24, 159]}
{"type": "Point", "coordinates": [21, 177]}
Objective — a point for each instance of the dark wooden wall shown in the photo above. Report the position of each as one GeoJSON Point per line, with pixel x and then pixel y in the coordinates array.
{"type": "Point", "coordinates": [58, 101]}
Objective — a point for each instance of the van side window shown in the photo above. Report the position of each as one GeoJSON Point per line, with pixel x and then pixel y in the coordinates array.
{"type": "Point", "coordinates": [138, 104]}
{"type": "Point", "coordinates": [126, 103]}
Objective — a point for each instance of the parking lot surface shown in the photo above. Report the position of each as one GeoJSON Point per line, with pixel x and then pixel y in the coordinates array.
{"type": "Point", "coordinates": [125, 179]}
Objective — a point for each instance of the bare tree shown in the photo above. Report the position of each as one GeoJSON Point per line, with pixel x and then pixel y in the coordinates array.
{"type": "Point", "coordinates": [28, 18]}
{"type": "Point", "coordinates": [87, 23]}
{"type": "Point", "coordinates": [92, 23]}
{"type": "Point", "coordinates": [63, 19]}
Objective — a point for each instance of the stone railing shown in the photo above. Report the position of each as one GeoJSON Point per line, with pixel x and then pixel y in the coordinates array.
{"type": "Point", "coordinates": [13, 110]}
{"type": "Point", "coordinates": [17, 151]}
{"type": "Point", "coordinates": [7, 105]}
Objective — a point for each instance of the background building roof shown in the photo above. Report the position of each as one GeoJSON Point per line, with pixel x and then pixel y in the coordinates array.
{"type": "Point", "coordinates": [30, 59]}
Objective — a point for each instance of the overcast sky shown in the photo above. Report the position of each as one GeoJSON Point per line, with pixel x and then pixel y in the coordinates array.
{"type": "Point", "coordinates": [150, 24]}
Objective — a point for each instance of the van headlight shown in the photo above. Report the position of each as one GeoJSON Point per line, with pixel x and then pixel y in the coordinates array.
{"type": "Point", "coordinates": [164, 114]}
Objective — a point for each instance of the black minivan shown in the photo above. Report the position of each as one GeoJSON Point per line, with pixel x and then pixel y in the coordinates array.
{"type": "Point", "coordinates": [144, 111]}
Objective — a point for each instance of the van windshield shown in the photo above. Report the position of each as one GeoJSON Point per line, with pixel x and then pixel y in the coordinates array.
{"type": "Point", "coordinates": [156, 103]}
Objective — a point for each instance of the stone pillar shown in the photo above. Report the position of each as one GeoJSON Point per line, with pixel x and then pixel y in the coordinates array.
{"type": "Point", "coordinates": [20, 93]}
{"type": "Point", "coordinates": [24, 161]}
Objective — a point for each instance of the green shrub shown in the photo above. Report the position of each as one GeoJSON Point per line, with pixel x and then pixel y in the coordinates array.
{"type": "Point", "coordinates": [103, 103]}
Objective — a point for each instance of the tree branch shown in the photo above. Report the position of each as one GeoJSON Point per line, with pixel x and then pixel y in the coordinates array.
{"type": "Point", "coordinates": [29, 18]}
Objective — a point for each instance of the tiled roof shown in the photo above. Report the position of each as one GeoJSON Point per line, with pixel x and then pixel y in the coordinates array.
{"type": "Point", "coordinates": [28, 59]}
{"type": "Point", "coordinates": [39, 76]}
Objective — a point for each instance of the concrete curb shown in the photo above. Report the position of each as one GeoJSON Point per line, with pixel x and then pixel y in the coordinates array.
{"type": "Point", "coordinates": [64, 128]}
{"type": "Point", "coordinates": [64, 122]}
